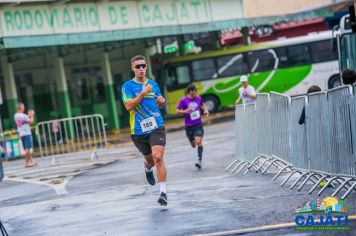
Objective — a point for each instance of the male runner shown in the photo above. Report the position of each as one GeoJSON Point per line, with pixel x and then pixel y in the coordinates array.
{"type": "Point", "coordinates": [191, 106]}
{"type": "Point", "coordinates": [142, 98]}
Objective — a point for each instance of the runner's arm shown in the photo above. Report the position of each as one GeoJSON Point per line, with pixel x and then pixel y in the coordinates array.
{"type": "Point", "coordinates": [205, 109]}
{"type": "Point", "coordinates": [132, 103]}
{"type": "Point", "coordinates": [184, 111]}
{"type": "Point", "coordinates": [181, 110]}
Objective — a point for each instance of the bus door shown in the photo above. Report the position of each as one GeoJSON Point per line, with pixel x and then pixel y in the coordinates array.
{"type": "Point", "coordinates": [177, 78]}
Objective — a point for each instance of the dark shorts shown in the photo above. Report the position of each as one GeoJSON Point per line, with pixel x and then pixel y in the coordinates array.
{"type": "Point", "coordinates": [27, 142]}
{"type": "Point", "coordinates": [145, 142]}
{"type": "Point", "coordinates": [194, 131]}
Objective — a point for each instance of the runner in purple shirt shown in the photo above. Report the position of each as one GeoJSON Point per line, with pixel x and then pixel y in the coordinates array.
{"type": "Point", "coordinates": [191, 106]}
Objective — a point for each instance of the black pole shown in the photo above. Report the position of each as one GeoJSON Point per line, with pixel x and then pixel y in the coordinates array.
{"type": "Point", "coordinates": [245, 36]}
{"type": "Point", "coordinates": [352, 18]}
{"type": "Point", "coordinates": [1, 170]}
{"type": "Point", "coordinates": [2, 152]}
{"type": "Point", "coordinates": [3, 230]}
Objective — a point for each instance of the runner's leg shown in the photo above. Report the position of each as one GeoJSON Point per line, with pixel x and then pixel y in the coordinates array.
{"type": "Point", "coordinates": [190, 136]}
{"type": "Point", "coordinates": [148, 160]}
{"type": "Point", "coordinates": [142, 144]}
{"type": "Point", "coordinates": [157, 154]}
{"type": "Point", "coordinates": [198, 136]}
{"type": "Point", "coordinates": [199, 142]}
{"type": "Point", "coordinates": [149, 163]}
{"type": "Point", "coordinates": [157, 140]}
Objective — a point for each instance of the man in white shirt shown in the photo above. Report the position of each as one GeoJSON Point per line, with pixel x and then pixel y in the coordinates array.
{"type": "Point", "coordinates": [23, 123]}
{"type": "Point", "coordinates": [247, 92]}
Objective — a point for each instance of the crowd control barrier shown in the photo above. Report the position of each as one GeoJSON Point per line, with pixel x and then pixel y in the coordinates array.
{"type": "Point", "coordinates": [270, 139]}
{"type": "Point", "coordinates": [71, 135]}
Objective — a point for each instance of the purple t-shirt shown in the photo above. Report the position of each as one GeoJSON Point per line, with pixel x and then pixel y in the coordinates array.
{"type": "Point", "coordinates": [195, 104]}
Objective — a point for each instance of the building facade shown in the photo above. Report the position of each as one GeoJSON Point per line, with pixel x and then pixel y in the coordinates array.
{"type": "Point", "coordinates": [262, 8]}
{"type": "Point", "coordinates": [69, 58]}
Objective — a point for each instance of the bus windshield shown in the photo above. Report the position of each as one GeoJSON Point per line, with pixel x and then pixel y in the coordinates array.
{"type": "Point", "coordinates": [348, 51]}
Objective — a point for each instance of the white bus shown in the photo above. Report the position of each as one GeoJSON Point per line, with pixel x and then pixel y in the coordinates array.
{"type": "Point", "coordinates": [289, 65]}
{"type": "Point", "coordinates": [346, 44]}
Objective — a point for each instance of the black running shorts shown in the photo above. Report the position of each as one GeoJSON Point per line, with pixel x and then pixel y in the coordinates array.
{"type": "Point", "coordinates": [145, 142]}
{"type": "Point", "coordinates": [194, 131]}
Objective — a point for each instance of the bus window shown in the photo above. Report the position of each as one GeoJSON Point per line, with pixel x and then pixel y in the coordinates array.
{"type": "Point", "coordinates": [348, 52]}
{"type": "Point", "coordinates": [282, 57]}
{"type": "Point", "coordinates": [321, 51]}
{"type": "Point", "coordinates": [231, 65]}
{"type": "Point", "coordinates": [204, 69]}
{"type": "Point", "coordinates": [298, 55]}
{"type": "Point", "coordinates": [178, 75]}
{"type": "Point", "coordinates": [262, 60]}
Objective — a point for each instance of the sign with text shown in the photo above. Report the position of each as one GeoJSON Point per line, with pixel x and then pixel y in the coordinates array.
{"type": "Point", "coordinates": [44, 19]}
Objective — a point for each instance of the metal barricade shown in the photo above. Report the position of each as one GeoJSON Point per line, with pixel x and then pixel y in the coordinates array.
{"type": "Point", "coordinates": [250, 132]}
{"type": "Point", "coordinates": [3, 230]}
{"type": "Point", "coordinates": [70, 135]}
{"type": "Point", "coordinates": [264, 138]}
{"type": "Point", "coordinates": [268, 134]}
{"type": "Point", "coordinates": [340, 130]}
{"type": "Point", "coordinates": [318, 138]}
{"type": "Point", "coordinates": [280, 126]}
{"type": "Point", "coordinates": [239, 134]}
{"type": "Point", "coordinates": [353, 123]}
{"type": "Point", "coordinates": [240, 142]}
{"type": "Point", "coordinates": [298, 133]}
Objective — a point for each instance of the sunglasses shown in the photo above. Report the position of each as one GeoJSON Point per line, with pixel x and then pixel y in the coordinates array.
{"type": "Point", "coordinates": [139, 66]}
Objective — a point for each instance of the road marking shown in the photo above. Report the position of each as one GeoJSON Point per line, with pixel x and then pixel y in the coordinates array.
{"type": "Point", "coordinates": [59, 188]}
{"type": "Point", "coordinates": [258, 228]}
{"type": "Point", "coordinates": [56, 177]}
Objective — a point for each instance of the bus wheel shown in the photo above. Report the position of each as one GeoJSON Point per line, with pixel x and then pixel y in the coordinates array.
{"type": "Point", "coordinates": [211, 103]}
{"type": "Point", "coordinates": [334, 81]}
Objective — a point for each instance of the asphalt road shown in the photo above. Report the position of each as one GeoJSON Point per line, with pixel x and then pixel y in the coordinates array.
{"type": "Point", "coordinates": [111, 197]}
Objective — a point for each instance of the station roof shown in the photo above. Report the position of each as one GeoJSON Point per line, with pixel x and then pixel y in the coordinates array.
{"type": "Point", "coordinates": [149, 31]}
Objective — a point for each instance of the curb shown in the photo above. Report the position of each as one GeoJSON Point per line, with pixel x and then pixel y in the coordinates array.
{"type": "Point", "coordinates": [264, 228]}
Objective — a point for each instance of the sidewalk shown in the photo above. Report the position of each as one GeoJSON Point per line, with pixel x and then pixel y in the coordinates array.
{"type": "Point", "coordinates": [123, 136]}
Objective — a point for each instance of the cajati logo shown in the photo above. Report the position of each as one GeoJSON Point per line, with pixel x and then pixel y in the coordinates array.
{"type": "Point", "coordinates": [327, 214]}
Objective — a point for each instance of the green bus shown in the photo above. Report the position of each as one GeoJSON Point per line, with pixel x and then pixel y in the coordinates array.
{"type": "Point", "coordinates": [287, 66]}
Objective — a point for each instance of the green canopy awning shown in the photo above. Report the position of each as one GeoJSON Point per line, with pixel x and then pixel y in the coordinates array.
{"type": "Point", "coordinates": [158, 31]}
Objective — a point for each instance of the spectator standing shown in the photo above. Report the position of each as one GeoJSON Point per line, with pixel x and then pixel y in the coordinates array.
{"type": "Point", "coordinates": [23, 122]}
{"type": "Point", "coordinates": [247, 92]}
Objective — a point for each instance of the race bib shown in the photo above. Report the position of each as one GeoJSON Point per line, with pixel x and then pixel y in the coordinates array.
{"type": "Point", "coordinates": [195, 115]}
{"type": "Point", "coordinates": [148, 124]}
